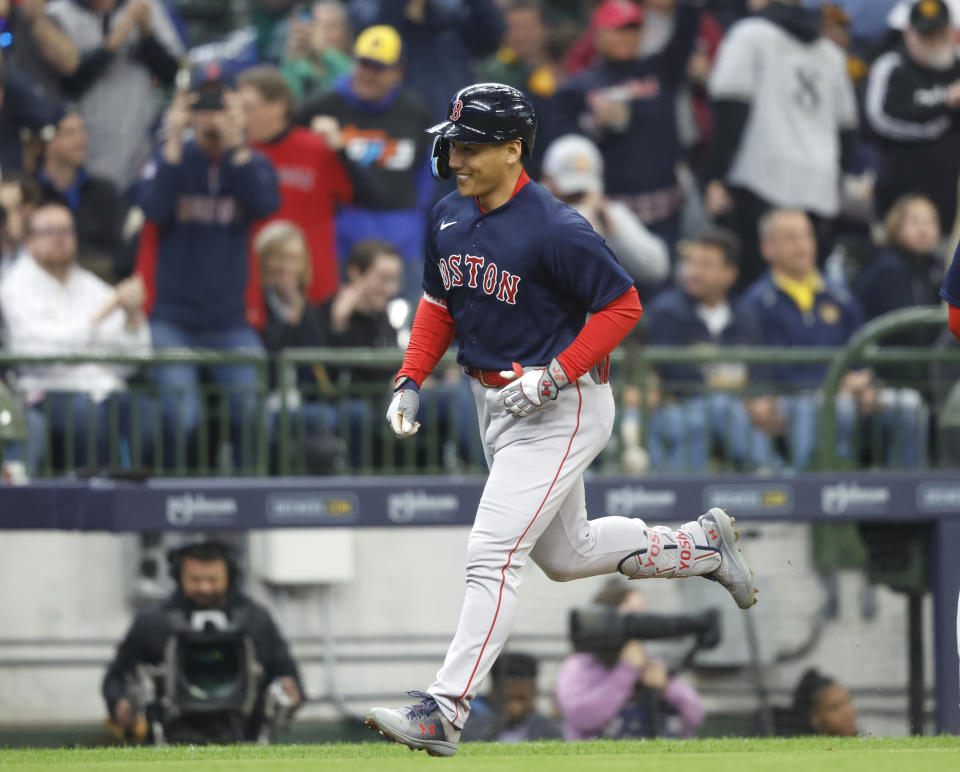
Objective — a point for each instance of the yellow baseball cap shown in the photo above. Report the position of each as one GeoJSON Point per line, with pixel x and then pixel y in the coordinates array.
{"type": "Point", "coordinates": [380, 43]}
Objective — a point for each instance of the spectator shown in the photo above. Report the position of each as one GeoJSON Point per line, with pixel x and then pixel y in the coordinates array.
{"type": "Point", "coordinates": [208, 586]}
{"type": "Point", "coordinates": [37, 47]}
{"type": "Point", "coordinates": [292, 321]}
{"type": "Point", "coordinates": [19, 198]}
{"type": "Point", "coordinates": [624, 693]}
{"type": "Point", "coordinates": [203, 195]}
{"type": "Point", "coordinates": [823, 706]}
{"type": "Point", "coordinates": [628, 106]}
{"type": "Point", "coordinates": [123, 47]}
{"type": "Point", "coordinates": [694, 120]}
{"type": "Point", "coordinates": [508, 714]}
{"type": "Point", "coordinates": [330, 16]}
{"type": "Point", "coordinates": [272, 24]}
{"type": "Point", "coordinates": [312, 178]}
{"type": "Point", "coordinates": [908, 270]}
{"type": "Point", "coordinates": [792, 305]}
{"type": "Point", "coordinates": [573, 172]}
{"type": "Point", "coordinates": [51, 305]}
{"type": "Point", "coordinates": [784, 119]}
{"type": "Point", "coordinates": [521, 61]}
{"type": "Point", "coordinates": [836, 26]}
{"type": "Point", "coordinates": [898, 18]}
{"type": "Point", "coordinates": [706, 406]}
{"type": "Point", "coordinates": [318, 50]}
{"type": "Point", "coordinates": [911, 106]}
{"type": "Point", "coordinates": [441, 39]}
{"type": "Point", "coordinates": [24, 107]}
{"type": "Point", "coordinates": [380, 126]}
{"type": "Point", "coordinates": [97, 208]}
{"type": "Point", "coordinates": [354, 317]}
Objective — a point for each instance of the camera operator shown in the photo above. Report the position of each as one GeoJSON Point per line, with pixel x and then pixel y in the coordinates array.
{"type": "Point", "coordinates": [623, 692]}
{"type": "Point", "coordinates": [207, 577]}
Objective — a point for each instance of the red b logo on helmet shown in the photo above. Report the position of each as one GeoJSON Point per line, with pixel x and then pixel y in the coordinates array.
{"type": "Point", "coordinates": [455, 112]}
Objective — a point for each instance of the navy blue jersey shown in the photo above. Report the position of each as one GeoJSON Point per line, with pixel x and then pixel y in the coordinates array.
{"type": "Point", "coordinates": [520, 280]}
{"type": "Point", "coordinates": [951, 282]}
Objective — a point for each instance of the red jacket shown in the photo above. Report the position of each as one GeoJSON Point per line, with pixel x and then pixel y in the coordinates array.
{"type": "Point", "coordinates": [313, 183]}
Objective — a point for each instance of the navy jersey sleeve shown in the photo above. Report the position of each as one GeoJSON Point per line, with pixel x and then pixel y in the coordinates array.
{"type": "Point", "coordinates": [581, 264]}
{"type": "Point", "coordinates": [951, 282]}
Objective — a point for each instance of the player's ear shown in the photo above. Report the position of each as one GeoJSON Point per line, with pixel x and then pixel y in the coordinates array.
{"type": "Point", "coordinates": [514, 149]}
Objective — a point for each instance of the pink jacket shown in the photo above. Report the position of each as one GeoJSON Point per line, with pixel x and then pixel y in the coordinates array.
{"type": "Point", "coordinates": [590, 696]}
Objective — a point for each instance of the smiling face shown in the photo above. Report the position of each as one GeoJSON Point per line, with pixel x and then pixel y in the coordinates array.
{"type": "Point", "coordinates": [484, 171]}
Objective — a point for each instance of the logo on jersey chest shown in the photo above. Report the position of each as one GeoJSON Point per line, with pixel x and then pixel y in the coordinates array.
{"type": "Point", "coordinates": [479, 273]}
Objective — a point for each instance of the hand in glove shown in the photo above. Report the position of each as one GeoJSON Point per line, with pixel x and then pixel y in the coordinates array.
{"type": "Point", "coordinates": [402, 413]}
{"type": "Point", "coordinates": [532, 389]}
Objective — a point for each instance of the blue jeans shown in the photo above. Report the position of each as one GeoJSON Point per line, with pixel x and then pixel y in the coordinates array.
{"type": "Point", "coordinates": [681, 435]}
{"type": "Point", "coordinates": [800, 418]}
{"type": "Point", "coordinates": [179, 385]}
{"type": "Point", "coordinates": [902, 418]}
{"type": "Point", "coordinates": [61, 414]}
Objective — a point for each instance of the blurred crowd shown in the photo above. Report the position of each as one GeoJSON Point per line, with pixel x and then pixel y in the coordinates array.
{"type": "Point", "coordinates": [773, 172]}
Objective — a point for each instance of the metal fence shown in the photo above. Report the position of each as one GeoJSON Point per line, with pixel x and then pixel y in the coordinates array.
{"type": "Point", "coordinates": [680, 410]}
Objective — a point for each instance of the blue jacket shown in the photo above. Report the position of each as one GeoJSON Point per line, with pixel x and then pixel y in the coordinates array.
{"type": "Point", "coordinates": [779, 322]}
{"type": "Point", "coordinates": [24, 105]}
{"type": "Point", "coordinates": [672, 320]}
{"type": "Point", "coordinates": [644, 156]}
{"type": "Point", "coordinates": [203, 210]}
{"type": "Point", "coordinates": [438, 53]}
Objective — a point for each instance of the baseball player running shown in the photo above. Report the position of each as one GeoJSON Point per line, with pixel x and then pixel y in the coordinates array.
{"type": "Point", "coordinates": [512, 273]}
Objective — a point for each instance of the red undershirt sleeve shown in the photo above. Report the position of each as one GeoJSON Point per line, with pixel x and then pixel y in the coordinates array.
{"type": "Point", "coordinates": [430, 337]}
{"type": "Point", "coordinates": [601, 334]}
{"type": "Point", "coordinates": [955, 321]}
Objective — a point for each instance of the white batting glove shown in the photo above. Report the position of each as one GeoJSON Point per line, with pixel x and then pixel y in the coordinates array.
{"type": "Point", "coordinates": [402, 413]}
{"type": "Point", "coordinates": [532, 389]}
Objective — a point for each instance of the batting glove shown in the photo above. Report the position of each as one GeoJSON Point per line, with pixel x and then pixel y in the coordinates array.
{"type": "Point", "coordinates": [402, 413]}
{"type": "Point", "coordinates": [532, 389]}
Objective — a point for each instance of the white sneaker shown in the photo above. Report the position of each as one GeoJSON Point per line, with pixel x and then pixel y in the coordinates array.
{"type": "Point", "coordinates": [421, 726]}
{"type": "Point", "coordinates": [733, 573]}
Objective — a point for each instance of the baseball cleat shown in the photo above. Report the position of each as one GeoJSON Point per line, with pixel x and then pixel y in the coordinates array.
{"type": "Point", "coordinates": [733, 573]}
{"type": "Point", "coordinates": [421, 726]}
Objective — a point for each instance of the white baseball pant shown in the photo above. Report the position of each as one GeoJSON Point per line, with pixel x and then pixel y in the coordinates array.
{"type": "Point", "coordinates": [533, 506]}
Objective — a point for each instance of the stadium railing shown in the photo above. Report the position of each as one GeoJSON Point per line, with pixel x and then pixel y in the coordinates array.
{"type": "Point", "coordinates": [321, 411]}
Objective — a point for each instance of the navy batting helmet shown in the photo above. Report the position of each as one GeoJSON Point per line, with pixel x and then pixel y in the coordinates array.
{"type": "Point", "coordinates": [483, 112]}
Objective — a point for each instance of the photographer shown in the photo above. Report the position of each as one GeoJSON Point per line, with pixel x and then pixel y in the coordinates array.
{"type": "Point", "coordinates": [207, 579]}
{"type": "Point", "coordinates": [623, 693]}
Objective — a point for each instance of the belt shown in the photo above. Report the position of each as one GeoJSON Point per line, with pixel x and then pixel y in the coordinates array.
{"type": "Point", "coordinates": [489, 378]}
{"type": "Point", "coordinates": [493, 380]}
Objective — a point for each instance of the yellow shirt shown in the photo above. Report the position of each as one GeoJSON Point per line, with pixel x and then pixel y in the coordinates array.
{"type": "Point", "coordinates": [803, 292]}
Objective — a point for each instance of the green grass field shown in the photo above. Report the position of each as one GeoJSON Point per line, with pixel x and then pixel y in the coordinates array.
{"type": "Point", "coordinates": [929, 754]}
